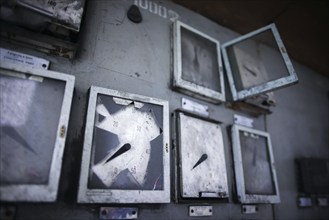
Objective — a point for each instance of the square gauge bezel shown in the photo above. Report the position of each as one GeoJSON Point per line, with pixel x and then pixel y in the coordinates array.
{"type": "Point", "coordinates": [243, 196]}
{"type": "Point", "coordinates": [192, 88]}
{"type": "Point", "coordinates": [265, 87]}
{"type": "Point", "coordinates": [110, 195]}
{"type": "Point", "coordinates": [42, 192]}
{"type": "Point", "coordinates": [181, 185]}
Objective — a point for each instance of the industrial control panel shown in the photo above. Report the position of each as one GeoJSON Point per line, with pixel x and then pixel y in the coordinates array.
{"type": "Point", "coordinates": [142, 109]}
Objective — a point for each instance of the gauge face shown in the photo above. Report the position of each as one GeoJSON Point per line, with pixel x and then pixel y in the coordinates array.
{"type": "Point", "coordinates": [197, 69]}
{"type": "Point", "coordinates": [34, 113]}
{"type": "Point", "coordinates": [256, 63]}
{"type": "Point", "coordinates": [28, 127]}
{"type": "Point", "coordinates": [203, 169]}
{"type": "Point", "coordinates": [126, 149]}
{"type": "Point", "coordinates": [256, 164]}
{"type": "Point", "coordinates": [248, 69]}
{"type": "Point", "coordinates": [127, 145]}
{"type": "Point", "coordinates": [199, 60]}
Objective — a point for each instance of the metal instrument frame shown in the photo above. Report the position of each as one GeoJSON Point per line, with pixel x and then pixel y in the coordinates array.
{"type": "Point", "coordinates": [266, 87]}
{"type": "Point", "coordinates": [43, 192]}
{"type": "Point", "coordinates": [86, 195]}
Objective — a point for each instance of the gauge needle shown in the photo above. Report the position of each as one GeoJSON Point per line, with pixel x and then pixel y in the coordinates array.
{"type": "Point", "coordinates": [122, 150]}
{"type": "Point", "coordinates": [138, 131]}
{"type": "Point", "coordinates": [251, 71]}
{"type": "Point", "coordinates": [202, 158]}
{"type": "Point", "coordinates": [13, 133]}
{"type": "Point", "coordinates": [254, 156]}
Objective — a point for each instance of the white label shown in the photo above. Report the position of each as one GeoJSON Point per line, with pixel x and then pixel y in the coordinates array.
{"type": "Point", "coordinates": [195, 107]}
{"type": "Point", "coordinates": [322, 201]}
{"type": "Point", "coordinates": [241, 120]}
{"type": "Point", "coordinates": [107, 213]}
{"type": "Point", "coordinates": [23, 59]}
{"type": "Point", "coordinates": [304, 202]}
{"type": "Point", "coordinates": [249, 209]}
{"type": "Point", "coordinates": [200, 210]}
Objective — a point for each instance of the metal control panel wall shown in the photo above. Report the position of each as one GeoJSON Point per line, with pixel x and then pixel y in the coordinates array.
{"type": "Point", "coordinates": [118, 54]}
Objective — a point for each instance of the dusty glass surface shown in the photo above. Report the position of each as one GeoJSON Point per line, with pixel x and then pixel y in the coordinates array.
{"type": "Point", "coordinates": [256, 164]}
{"type": "Point", "coordinates": [29, 117]}
{"type": "Point", "coordinates": [256, 61]}
{"type": "Point", "coordinates": [199, 60]}
{"type": "Point", "coordinates": [127, 148]}
{"type": "Point", "coordinates": [203, 170]}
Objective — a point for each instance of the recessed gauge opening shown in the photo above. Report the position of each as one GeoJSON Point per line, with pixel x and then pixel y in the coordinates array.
{"type": "Point", "coordinates": [126, 149]}
{"type": "Point", "coordinates": [254, 167]}
{"type": "Point", "coordinates": [199, 60]}
{"type": "Point", "coordinates": [201, 158]}
{"type": "Point", "coordinates": [256, 164]}
{"type": "Point", "coordinates": [29, 115]}
{"type": "Point", "coordinates": [34, 114]}
{"type": "Point", "coordinates": [127, 145]}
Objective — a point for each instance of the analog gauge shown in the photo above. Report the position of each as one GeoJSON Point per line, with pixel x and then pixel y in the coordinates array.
{"type": "Point", "coordinates": [199, 60]}
{"type": "Point", "coordinates": [134, 127]}
{"type": "Point", "coordinates": [202, 159]}
{"type": "Point", "coordinates": [35, 106]}
{"type": "Point", "coordinates": [197, 69]}
{"type": "Point", "coordinates": [126, 149]}
{"type": "Point", "coordinates": [255, 173]}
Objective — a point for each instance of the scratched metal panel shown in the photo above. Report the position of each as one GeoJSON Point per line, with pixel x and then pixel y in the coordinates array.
{"type": "Point", "coordinates": [118, 54]}
{"type": "Point", "coordinates": [297, 106]}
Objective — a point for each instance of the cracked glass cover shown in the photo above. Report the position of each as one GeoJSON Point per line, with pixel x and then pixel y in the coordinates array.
{"type": "Point", "coordinates": [127, 145]}
{"type": "Point", "coordinates": [29, 118]}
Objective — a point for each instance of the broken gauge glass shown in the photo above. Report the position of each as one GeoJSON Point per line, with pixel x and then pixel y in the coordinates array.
{"type": "Point", "coordinates": [128, 153]}
{"type": "Point", "coordinates": [35, 106]}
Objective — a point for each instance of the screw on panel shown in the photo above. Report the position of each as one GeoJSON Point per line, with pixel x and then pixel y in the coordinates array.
{"type": "Point", "coordinates": [62, 131]}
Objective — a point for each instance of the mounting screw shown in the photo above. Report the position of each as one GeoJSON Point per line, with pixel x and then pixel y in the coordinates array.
{"type": "Point", "coordinates": [62, 131]}
{"type": "Point", "coordinates": [104, 212]}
